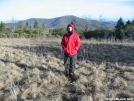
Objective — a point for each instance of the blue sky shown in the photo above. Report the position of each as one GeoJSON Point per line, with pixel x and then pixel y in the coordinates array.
{"type": "Point", "coordinates": [93, 9]}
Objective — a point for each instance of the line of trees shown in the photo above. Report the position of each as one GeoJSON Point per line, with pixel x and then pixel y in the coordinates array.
{"type": "Point", "coordinates": [122, 30]}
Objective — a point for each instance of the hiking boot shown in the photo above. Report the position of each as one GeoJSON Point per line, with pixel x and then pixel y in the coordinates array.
{"type": "Point", "coordinates": [71, 75]}
{"type": "Point", "coordinates": [66, 74]}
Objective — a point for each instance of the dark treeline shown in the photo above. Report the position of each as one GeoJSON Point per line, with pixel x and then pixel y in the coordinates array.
{"type": "Point", "coordinates": [122, 31]}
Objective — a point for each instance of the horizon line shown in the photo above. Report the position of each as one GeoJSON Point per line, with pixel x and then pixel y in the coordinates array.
{"type": "Point", "coordinates": [83, 17]}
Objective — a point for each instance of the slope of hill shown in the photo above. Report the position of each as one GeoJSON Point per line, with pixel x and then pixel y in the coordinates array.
{"type": "Point", "coordinates": [64, 20]}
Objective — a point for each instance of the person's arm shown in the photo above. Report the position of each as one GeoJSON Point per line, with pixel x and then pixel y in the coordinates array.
{"type": "Point", "coordinates": [78, 43]}
{"type": "Point", "coordinates": [63, 43]}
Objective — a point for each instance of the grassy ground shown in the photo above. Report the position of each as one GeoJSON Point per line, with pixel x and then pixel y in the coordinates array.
{"type": "Point", "coordinates": [32, 70]}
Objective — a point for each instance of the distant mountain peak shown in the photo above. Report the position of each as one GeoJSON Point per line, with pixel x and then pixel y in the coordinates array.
{"type": "Point", "coordinates": [63, 21]}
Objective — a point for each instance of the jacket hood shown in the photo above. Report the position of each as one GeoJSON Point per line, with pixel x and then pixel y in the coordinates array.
{"type": "Point", "coordinates": [71, 26]}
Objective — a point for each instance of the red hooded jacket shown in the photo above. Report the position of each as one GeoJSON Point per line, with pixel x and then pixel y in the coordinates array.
{"type": "Point", "coordinates": [70, 43]}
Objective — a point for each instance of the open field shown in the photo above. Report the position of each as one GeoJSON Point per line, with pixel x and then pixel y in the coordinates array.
{"type": "Point", "coordinates": [32, 70]}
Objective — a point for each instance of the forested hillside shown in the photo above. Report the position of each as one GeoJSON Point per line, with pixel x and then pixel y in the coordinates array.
{"type": "Point", "coordinates": [56, 27]}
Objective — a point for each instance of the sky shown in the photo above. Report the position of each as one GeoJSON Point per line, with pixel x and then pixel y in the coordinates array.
{"type": "Point", "coordinates": [89, 9]}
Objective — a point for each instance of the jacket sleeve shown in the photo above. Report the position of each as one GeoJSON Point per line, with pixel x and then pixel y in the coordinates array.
{"type": "Point", "coordinates": [63, 43]}
{"type": "Point", "coordinates": [78, 43]}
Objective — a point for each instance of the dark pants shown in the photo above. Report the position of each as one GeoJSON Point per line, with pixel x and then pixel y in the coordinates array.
{"type": "Point", "coordinates": [69, 63]}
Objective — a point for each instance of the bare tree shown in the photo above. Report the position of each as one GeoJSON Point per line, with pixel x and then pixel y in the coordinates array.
{"type": "Point", "coordinates": [101, 17]}
{"type": "Point", "coordinates": [102, 25]}
{"type": "Point", "coordinates": [13, 21]}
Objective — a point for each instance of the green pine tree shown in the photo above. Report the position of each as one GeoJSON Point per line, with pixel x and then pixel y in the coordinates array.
{"type": "Point", "coordinates": [35, 24]}
{"type": "Point", "coordinates": [128, 23]}
{"type": "Point", "coordinates": [2, 26]}
{"type": "Point", "coordinates": [119, 33]}
{"type": "Point", "coordinates": [120, 24]}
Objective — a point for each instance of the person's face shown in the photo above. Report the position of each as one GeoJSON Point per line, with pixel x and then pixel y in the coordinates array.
{"type": "Point", "coordinates": [70, 28]}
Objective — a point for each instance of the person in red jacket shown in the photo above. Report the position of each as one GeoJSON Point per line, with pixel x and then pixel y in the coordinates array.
{"type": "Point", "coordinates": [70, 44]}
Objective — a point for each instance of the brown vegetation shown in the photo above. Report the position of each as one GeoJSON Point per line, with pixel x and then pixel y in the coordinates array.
{"type": "Point", "coordinates": [32, 69]}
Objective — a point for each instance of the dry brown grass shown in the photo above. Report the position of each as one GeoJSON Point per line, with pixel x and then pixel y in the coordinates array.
{"type": "Point", "coordinates": [32, 69]}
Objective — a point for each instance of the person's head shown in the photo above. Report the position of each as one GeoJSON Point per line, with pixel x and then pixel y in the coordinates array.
{"type": "Point", "coordinates": [70, 28]}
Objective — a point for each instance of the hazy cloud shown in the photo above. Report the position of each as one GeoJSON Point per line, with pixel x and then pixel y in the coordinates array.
{"type": "Point", "coordinates": [25, 9]}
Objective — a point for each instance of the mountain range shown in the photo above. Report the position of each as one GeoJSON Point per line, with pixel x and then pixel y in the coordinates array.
{"type": "Point", "coordinates": [63, 21]}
